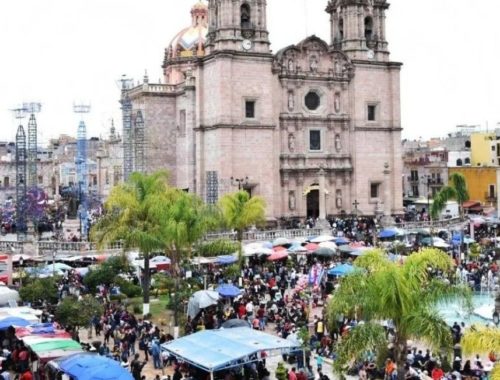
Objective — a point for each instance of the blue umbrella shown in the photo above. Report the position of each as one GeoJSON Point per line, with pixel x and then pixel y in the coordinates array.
{"type": "Point", "coordinates": [5, 323]}
{"type": "Point", "coordinates": [228, 290]}
{"type": "Point", "coordinates": [341, 240]}
{"type": "Point", "coordinates": [225, 260]}
{"type": "Point", "coordinates": [341, 270]}
{"type": "Point", "coordinates": [386, 234]}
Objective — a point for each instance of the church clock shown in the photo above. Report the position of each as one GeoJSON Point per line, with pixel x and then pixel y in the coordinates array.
{"type": "Point", "coordinates": [246, 44]}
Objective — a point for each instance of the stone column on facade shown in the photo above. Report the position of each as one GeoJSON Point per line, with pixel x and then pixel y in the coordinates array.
{"type": "Point", "coordinates": [322, 195]}
{"type": "Point", "coordinates": [498, 193]}
{"type": "Point", "coordinates": [322, 222]}
{"type": "Point", "coordinates": [387, 192]}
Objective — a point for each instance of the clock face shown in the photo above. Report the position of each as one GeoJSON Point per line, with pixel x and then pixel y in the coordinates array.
{"type": "Point", "coordinates": [246, 44]}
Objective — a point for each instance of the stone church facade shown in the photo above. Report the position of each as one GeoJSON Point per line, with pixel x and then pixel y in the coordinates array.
{"type": "Point", "coordinates": [314, 128]}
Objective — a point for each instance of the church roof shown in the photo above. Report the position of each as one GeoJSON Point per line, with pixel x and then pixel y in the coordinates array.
{"type": "Point", "coordinates": [190, 41]}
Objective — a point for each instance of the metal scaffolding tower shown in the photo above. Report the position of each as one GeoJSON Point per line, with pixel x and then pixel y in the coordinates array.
{"type": "Point", "coordinates": [128, 133]}
{"type": "Point", "coordinates": [82, 171]}
{"type": "Point", "coordinates": [32, 149]}
{"type": "Point", "coordinates": [21, 222]}
{"type": "Point", "coordinates": [139, 143]}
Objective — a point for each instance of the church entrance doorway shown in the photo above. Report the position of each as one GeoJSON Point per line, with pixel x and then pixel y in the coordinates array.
{"type": "Point", "coordinates": [313, 204]}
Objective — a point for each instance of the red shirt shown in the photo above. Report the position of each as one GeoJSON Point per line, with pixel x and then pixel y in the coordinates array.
{"type": "Point", "coordinates": [437, 374]}
{"type": "Point", "coordinates": [242, 311]}
{"type": "Point", "coordinates": [26, 376]}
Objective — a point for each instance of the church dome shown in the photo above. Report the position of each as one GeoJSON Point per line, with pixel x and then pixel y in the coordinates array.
{"type": "Point", "coordinates": [190, 41]}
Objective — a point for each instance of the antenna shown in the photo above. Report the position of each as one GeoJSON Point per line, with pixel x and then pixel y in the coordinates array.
{"type": "Point", "coordinates": [81, 168]}
{"type": "Point", "coordinates": [125, 83]}
{"type": "Point", "coordinates": [32, 108]}
{"type": "Point", "coordinates": [81, 107]}
{"type": "Point", "coordinates": [19, 112]}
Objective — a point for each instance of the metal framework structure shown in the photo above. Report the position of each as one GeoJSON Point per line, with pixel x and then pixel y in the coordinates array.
{"type": "Point", "coordinates": [81, 170]}
{"type": "Point", "coordinates": [128, 143]}
{"type": "Point", "coordinates": [21, 222]}
{"type": "Point", "coordinates": [32, 153]}
{"type": "Point", "coordinates": [139, 143]}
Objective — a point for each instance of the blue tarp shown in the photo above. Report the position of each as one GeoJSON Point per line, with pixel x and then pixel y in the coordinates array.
{"type": "Point", "coordinates": [87, 366]}
{"type": "Point", "coordinates": [387, 234]}
{"type": "Point", "coordinates": [5, 323]}
{"type": "Point", "coordinates": [341, 270]}
{"type": "Point", "coordinates": [214, 350]}
{"type": "Point", "coordinates": [224, 260]}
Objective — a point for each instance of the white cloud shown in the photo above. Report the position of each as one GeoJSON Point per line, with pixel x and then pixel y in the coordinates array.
{"type": "Point", "coordinates": [59, 51]}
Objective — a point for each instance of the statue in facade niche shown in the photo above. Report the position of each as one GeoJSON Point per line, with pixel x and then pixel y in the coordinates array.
{"type": "Point", "coordinates": [336, 102]}
{"type": "Point", "coordinates": [338, 143]}
{"type": "Point", "coordinates": [291, 101]}
{"type": "Point", "coordinates": [338, 199]}
{"type": "Point", "coordinates": [314, 64]}
{"type": "Point", "coordinates": [291, 200]}
{"type": "Point", "coordinates": [337, 67]}
{"type": "Point", "coordinates": [291, 142]}
{"type": "Point", "coordinates": [290, 65]}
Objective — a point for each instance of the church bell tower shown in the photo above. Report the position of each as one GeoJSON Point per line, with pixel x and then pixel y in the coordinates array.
{"type": "Point", "coordinates": [237, 25]}
{"type": "Point", "coordinates": [358, 28]}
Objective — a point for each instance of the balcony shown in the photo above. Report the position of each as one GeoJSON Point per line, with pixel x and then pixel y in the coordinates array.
{"type": "Point", "coordinates": [489, 197]}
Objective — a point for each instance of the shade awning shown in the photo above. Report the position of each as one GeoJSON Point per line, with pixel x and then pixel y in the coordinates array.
{"type": "Point", "coordinates": [215, 350]}
{"type": "Point", "coordinates": [86, 366]}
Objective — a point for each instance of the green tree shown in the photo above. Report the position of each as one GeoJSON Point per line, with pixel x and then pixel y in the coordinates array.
{"type": "Point", "coordinates": [185, 220]}
{"type": "Point", "coordinates": [482, 340]}
{"type": "Point", "coordinates": [456, 189]}
{"type": "Point", "coordinates": [39, 289]}
{"type": "Point", "coordinates": [217, 248]}
{"type": "Point", "coordinates": [106, 272]}
{"type": "Point", "coordinates": [133, 215]}
{"type": "Point", "coordinates": [74, 313]}
{"type": "Point", "coordinates": [405, 294]}
{"type": "Point", "coordinates": [239, 212]}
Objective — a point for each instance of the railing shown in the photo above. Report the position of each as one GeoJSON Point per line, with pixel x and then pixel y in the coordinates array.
{"type": "Point", "coordinates": [80, 246]}
{"type": "Point", "coordinates": [444, 223]}
{"type": "Point", "coordinates": [266, 235]}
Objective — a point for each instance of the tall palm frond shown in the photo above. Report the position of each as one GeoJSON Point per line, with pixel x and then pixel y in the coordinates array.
{"type": "Point", "coordinates": [456, 189]}
{"type": "Point", "coordinates": [427, 326]}
{"type": "Point", "coordinates": [367, 337]}
{"type": "Point", "coordinates": [483, 340]}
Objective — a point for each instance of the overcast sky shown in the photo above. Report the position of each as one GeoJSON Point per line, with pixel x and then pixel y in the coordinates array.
{"type": "Point", "coordinates": [61, 51]}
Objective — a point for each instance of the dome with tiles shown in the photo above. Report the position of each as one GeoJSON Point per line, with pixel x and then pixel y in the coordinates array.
{"type": "Point", "coordinates": [190, 42]}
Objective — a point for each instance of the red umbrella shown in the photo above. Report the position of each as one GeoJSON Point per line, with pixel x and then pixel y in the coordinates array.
{"type": "Point", "coordinates": [279, 255]}
{"type": "Point", "coordinates": [311, 247]}
{"type": "Point", "coordinates": [279, 249]}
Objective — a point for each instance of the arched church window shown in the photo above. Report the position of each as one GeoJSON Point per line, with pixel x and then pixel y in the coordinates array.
{"type": "Point", "coordinates": [459, 162]}
{"type": "Point", "coordinates": [341, 29]}
{"type": "Point", "coordinates": [467, 144]}
{"type": "Point", "coordinates": [368, 28]}
{"type": "Point", "coordinates": [245, 15]}
{"type": "Point", "coordinates": [467, 161]}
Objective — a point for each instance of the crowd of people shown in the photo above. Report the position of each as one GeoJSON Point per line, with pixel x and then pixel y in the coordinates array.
{"type": "Point", "coordinates": [276, 298]}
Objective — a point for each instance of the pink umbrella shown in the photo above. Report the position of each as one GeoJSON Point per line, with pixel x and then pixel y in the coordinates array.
{"type": "Point", "coordinates": [279, 249]}
{"type": "Point", "coordinates": [311, 247]}
{"type": "Point", "coordinates": [279, 255]}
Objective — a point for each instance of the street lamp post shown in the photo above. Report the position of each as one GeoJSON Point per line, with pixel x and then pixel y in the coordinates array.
{"type": "Point", "coordinates": [53, 263]}
{"type": "Point", "coordinates": [240, 182]}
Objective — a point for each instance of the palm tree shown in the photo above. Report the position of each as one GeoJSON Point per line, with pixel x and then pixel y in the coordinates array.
{"type": "Point", "coordinates": [482, 340]}
{"type": "Point", "coordinates": [240, 211]}
{"type": "Point", "coordinates": [186, 219]}
{"type": "Point", "coordinates": [405, 294]}
{"type": "Point", "coordinates": [456, 189]}
{"type": "Point", "coordinates": [133, 215]}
